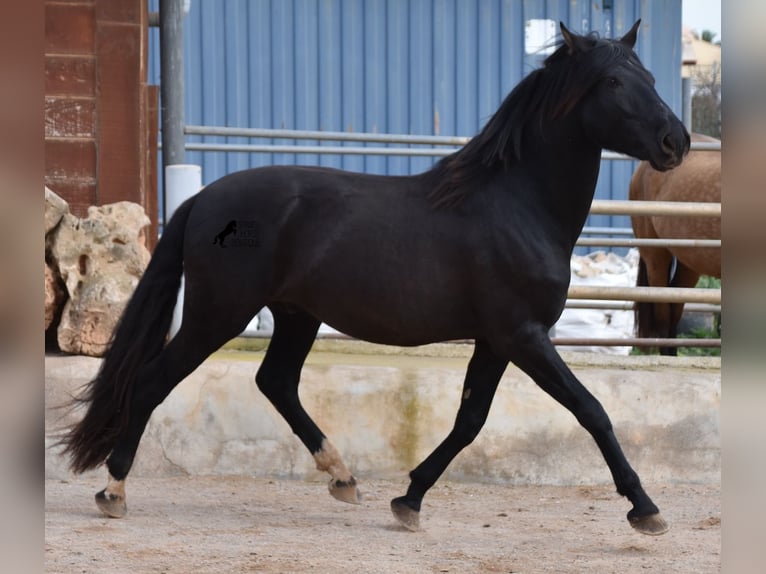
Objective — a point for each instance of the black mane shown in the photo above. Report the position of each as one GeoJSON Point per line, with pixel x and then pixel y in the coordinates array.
{"type": "Point", "coordinates": [549, 92]}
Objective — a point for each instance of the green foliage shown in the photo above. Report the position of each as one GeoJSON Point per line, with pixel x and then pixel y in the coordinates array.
{"type": "Point", "coordinates": [699, 333]}
{"type": "Point", "coordinates": [707, 282]}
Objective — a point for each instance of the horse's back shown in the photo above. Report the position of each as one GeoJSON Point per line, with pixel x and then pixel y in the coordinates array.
{"type": "Point", "coordinates": [287, 211]}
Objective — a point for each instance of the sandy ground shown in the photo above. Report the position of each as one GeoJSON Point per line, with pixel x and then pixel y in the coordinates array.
{"type": "Point", "coordinates": [241, 524]}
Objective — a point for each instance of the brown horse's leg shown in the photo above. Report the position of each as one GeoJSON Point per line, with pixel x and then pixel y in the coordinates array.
{"type": "Point", "coordinates": [654, 319]}
{"type": "Point", "coordinates": [683, 277]}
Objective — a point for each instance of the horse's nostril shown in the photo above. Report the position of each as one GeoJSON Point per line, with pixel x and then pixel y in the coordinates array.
{"type": "Point", "coordinates": [667, 145]}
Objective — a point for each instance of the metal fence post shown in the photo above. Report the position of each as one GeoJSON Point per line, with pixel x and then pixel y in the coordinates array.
{"type": "Point", "coordinates": [687, 85]}
{"type": "Point", "coordinates": [171, 89]}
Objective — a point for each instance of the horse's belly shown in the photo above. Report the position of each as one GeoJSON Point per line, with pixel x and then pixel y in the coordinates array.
{"type": "Point", "coordinates": [703, 260]}
{"type": "Point", "coordinates": [391, 326]}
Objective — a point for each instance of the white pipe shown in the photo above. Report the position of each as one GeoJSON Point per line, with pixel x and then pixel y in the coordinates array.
{"type": "Point", "coordinates": [634, 207]}
{"type": "Point", "coordinates": [650, 294]}
{"type": "Point", "coordinates": [181, 182]}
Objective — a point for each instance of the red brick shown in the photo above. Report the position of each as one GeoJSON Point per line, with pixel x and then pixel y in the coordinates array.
{"type": "Point", "coordinates": [121, 11]}
{"type": "Point", "coordinates": [118, 78]}
{"type": "Point", "coordinates": [69, 29]}
{"type": "Point", "coordinates": [70, 75]}
{"type": "Point", "coordinates": [66, 117]}
{"type": "Point", "coordinates": [70, 159]}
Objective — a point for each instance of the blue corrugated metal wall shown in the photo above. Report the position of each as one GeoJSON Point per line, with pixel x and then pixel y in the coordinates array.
{"type": "Point", "coordinates": [396, 66]}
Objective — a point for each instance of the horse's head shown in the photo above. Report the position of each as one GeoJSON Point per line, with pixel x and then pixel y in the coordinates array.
{"type": "Point", "coordinates": [621, 110]}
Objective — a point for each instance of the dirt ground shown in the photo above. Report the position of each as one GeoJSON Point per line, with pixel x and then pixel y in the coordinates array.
{"type": "Point", "coordinates": [241, 524]}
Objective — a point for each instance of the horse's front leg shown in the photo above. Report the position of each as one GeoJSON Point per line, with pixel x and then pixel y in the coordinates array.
{"type": "Point", "coordinates": [484, 372]}
{"type": "Point", "coordinates": [533, 352]}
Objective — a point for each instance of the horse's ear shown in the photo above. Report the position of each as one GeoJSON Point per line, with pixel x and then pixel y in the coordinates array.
{"type": "Point", "coordinates": [573, 41]}
{"type": "Point", "coordinates": [629, 39]}
{"type": "Point", "coordinates": [568, 38]}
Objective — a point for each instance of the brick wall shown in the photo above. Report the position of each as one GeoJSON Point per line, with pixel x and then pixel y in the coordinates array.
{"type": "Point", "coordinates": [100, 115]}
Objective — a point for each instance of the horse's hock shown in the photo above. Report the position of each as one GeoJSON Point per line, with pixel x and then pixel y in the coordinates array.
{"type": "Point", "coordinates": [386, 409]}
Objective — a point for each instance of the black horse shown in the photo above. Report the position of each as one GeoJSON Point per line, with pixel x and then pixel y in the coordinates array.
{"type": "Point", "coordinates": [476, 248]}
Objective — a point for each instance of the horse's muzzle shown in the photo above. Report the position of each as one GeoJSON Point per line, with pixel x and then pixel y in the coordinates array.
{"type": "Point", "coordinates": [674, 145]}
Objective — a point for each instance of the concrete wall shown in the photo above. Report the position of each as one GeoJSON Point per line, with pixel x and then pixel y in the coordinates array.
{"type": "Point", "coordinates": [385, 413]}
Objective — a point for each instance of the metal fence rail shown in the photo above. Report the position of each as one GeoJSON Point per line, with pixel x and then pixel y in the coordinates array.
{"type": "Point", "coordinates": [562, 341]}
{"type": "Point", "coordinates": [634, 207]}
{"type": "Point", "coordinates": [265, 133]}
{"type": "Point", "coordinates": [630, 242]}
{"type": "Point", "coordinates": [646, 294]}
{"type": "Point", "coordinates": [326, 135]}
{"type": "Point", "coordinates": [359, 137]}
{"type": "Point", "coordinates": [331, 150]}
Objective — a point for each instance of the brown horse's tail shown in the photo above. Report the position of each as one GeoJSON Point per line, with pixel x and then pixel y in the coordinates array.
{"type": "Point", "coordinates": [643, 312]}
{"type": "Point", "coordinates": [138, 338]}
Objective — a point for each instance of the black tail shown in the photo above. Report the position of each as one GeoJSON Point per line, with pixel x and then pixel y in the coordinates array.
{"type": "Point", "coordinates": [643, 312]}
{"type": "Point", "coordinates": [138, 338]}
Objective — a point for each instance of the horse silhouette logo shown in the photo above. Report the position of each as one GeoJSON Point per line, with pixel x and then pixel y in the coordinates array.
{"type": "Point", "coordinates": [230, 229]}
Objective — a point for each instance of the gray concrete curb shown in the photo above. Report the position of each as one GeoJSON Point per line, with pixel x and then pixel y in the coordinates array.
{"type": "Point", "coordinates": [387, 408]}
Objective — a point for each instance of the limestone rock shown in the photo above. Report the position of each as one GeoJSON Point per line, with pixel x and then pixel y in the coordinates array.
{"type": "Point", "coordinates": [100, 259]}
{"type": "Point", "coordinates": [55, 208]}
{"type": "Point", "coordinates": [54, 295]}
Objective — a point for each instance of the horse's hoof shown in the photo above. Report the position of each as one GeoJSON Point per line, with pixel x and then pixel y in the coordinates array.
{"type": "Point", "coordinates": [407, 516]}
{"type": "Point", "coordinates": [345, 491]}
{"type": "Point", "coordinates": [113, 505]}
{"type": "Point", "coordinates": [651, 524]}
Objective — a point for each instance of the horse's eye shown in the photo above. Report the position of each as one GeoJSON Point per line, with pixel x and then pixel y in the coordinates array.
{"type": "Point", "coordinates": [613, 82]}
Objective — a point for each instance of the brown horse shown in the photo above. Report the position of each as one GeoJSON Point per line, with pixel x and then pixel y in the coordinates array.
{"type": "Point", "coordinates": [698, 178]}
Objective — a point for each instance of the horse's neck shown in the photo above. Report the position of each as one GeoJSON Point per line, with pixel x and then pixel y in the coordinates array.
{"type": "Point", "coordinates": [565, 164]}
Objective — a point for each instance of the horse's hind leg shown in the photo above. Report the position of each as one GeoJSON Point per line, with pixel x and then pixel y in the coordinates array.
{"type": "Point", "coordinates": [202, 332]}
{"type": "Point", "coordinates": [533, 352]}
{"type": "Point", "coordinates": [683, 277]}
{"type": "Point", "coordinates": [482, 377]}
{"type": "Point", "coordinates": [654, 318]}
{"type": "Point", "coordinates": [278, 379]}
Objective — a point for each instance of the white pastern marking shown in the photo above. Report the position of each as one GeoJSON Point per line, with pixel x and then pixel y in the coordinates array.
{"type": "Point", "coordinates": [115, 488]}
{"type": "Point", "coordinates": [328, 459]}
